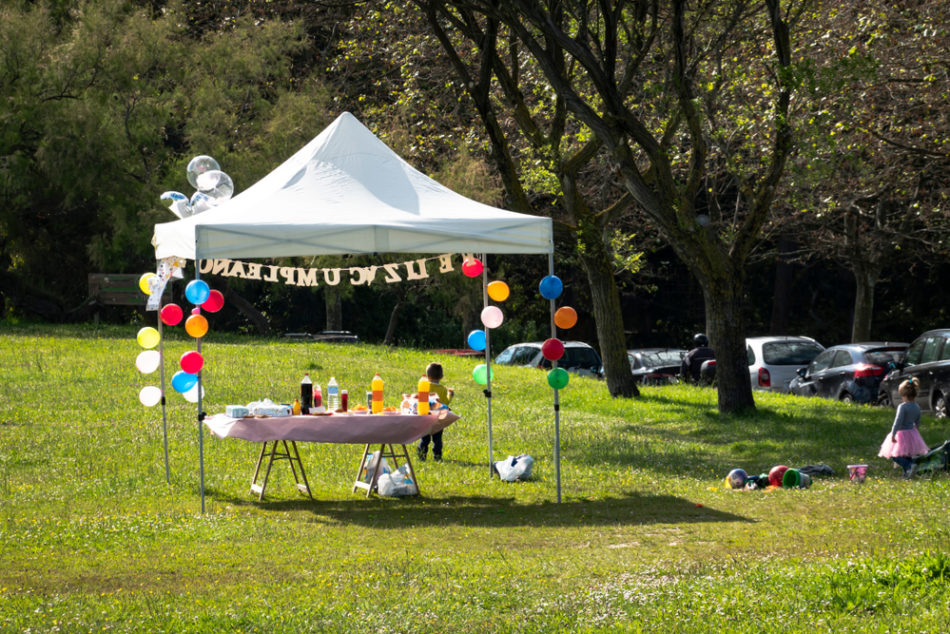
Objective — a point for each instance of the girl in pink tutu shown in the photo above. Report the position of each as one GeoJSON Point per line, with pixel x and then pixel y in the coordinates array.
{"type": "Point", "coordinates": [905, 440]}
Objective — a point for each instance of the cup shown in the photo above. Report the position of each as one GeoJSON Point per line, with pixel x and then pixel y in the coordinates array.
{"type": "Point", "coordinates": [858, 472]}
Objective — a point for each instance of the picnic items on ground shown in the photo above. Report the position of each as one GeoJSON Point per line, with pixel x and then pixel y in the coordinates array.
{"type": "Point", "coordinates": [514, 468]}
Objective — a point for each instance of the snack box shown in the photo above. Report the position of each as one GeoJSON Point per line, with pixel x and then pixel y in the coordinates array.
{"type": "Point", "coordinates": [236, 411]}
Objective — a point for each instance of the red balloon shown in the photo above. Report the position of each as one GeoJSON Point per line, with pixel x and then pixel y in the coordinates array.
{"type": "Point", "coordinates": [171, 314]}
{"type": "Point", "coordinates": [552, 349]}
{"type": "Point", "coordinates": [214, 302]}
{"type": "Point", "coordinates": [192, 362]}
{"type": "Point", "coordinates": [472, 268]}
{"type": "Point", "coordinates": [775, 475]}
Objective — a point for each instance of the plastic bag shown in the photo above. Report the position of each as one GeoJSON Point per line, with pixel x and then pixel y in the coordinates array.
{"type": "Point", "coordinates": [369, 470]}
{"type": "Point", "coordinates": [515, 468]}
{"type": "Point", "coordinates": [396, 483]}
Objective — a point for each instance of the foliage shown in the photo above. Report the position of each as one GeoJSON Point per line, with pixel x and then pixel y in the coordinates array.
{"type": "Point", "coordinates": [645, 538]}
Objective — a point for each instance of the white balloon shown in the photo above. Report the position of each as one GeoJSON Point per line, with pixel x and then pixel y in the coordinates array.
{"type": "Point", "coordinates": [492, 317]}
{"type": "Point", "coordinates": [150, 396]}
{"type": "Point", "coordinates": [200, 201]}
{"type": "Point", "coordinates": [192, 395]}
{"type": "Point", "coordinates": [147, 361]}
{"type": "Point", "coordinates": [217, 185]}
{"type": "Point", "coordinates": [199, 165]}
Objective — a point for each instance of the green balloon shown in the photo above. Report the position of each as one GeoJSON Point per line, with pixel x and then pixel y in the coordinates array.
{"type": "Point", "coordinates": [557, 378]}
{"type": "Point", "coordinates": [480, 374]}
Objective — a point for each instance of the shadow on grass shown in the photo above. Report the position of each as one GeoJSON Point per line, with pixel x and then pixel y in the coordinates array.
{"type": "Point", "coordinates": [631, 508]}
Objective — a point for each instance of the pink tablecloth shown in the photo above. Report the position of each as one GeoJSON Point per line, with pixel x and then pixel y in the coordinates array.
{"type": "Point", "coordinates": [338, 428]}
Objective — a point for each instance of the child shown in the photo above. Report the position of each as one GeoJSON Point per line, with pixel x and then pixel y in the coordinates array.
{"type": "Point", "coordinates": [445, 394]}
{"type": "Point", "coordinates": [905, 440]}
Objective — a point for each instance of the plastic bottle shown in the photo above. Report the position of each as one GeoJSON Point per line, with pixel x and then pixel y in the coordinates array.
{"type": "Point", "coordinates": [344, 400]}
{"type": "Point", "coordinates": [317, 396]}
{"type": "Point", "coordinates": [296, 407]}
{"type": "Point", "coordinates": [423, 393]}
{"type": "Point", "coordinates": [306, 394]}
{"type": "Point", "coordinates": [377, 385]}
{"type": "Point", "coordinates": [333, 395]}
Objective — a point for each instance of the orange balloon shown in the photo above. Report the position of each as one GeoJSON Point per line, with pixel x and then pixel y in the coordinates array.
{"type": "Point", "coordinates": [498, 291]}
{"type": "Point", "coordinates": [196, 326]}
{"type": "Point", "coordinates": [565, 317]}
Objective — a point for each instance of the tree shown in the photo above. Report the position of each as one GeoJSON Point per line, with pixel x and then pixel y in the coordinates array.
{"type": "Point", "coordinates": [691, 102]}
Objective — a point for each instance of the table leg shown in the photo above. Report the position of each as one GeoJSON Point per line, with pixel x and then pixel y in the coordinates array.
{"type": "Point", "coordinates": [305, 487]}
{"type": "Point", "coordinates": [259, 488]}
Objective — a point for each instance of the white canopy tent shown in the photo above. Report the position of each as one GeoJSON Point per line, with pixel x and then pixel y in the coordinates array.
{"type": "Point", "coordinates": [348, 192]}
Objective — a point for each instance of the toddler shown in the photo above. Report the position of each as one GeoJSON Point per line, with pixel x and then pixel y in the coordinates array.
{"type": "Point", "coordinates": [904, 440]}
{"type": "Point", "coordinates": [445, 394]}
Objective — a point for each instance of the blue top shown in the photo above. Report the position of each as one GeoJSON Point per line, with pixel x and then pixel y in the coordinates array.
{"type": "Point", "coordinates": [907, 417]}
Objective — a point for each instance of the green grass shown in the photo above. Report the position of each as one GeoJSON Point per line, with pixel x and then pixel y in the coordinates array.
{"type": "Point", "coordinates": [646, 537]}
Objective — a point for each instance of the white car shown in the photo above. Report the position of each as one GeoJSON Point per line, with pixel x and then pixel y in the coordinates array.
{"type": "Point", "coordinates": [774, 361]}
{"type": "Point", "coordinates": [579, 358]}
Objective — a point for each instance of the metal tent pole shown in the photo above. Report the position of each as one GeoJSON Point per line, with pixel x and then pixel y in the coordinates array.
{"type": "Point", "coordinates": [201, 439]}
{"type": "Point", "coordinates": [557, 403]}
{"type": "Point", "coordinates": [161, 365]}
{"type": "Point", "coordinates": [491, 460]}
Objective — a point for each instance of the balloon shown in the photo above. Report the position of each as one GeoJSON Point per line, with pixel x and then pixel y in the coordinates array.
{"type": "Point", "coordinates": [737, 478]}
{"type": "Point", "coordinates": [196, 310]}
{"type": "Point", "coordinates": [492, 316]}
{"type": "Point", "coordinates": [472, 268]}
{"type": "Point", "coordinates": [197, 292]}
{"type": "Point", "coordinates": [171, 314]}
{"type": "Point", "coordinates": [776, 473]}
{"type": "Point", "coordinates": [148, 337]}
{"type": "Point", "coordinates": [498, 291]}
{"type": "Point", "coordinates": [480, 374]}
{"type": "Point", "coordinates": [150, 396]}
{"type": "Point", "coordinates": [200, 201]}
{"type": "Point", "coordinates": [183, 381]}
{"type": "Point", "coordinates": [192, 395]}
{"type": "Point", "coordinates": [179, 204]}
{"type": "Point", "coordinates": [552, 349]}
{"type": "Point", "coordinates": [217, 185]}
{"type": "Point", "coordinates": [192, 362]}
{"type": "Point", "coordinates": [477, 340]}
{"type": "Point", "coordinates": [215, 301]}
{"type": "Point", "coordinates": [199, 165]}
{"type": "Point", "coordinates": [565, 317]}
{"type": "Point", "coordinates": [147, 361]}
{"type": "Point", "coordinates": [557, 378]}
{"type": "Point", "coordinates": [145, 283]}
{"type": "Point", "coordinates": [551, 287]}
{"type": "Point", "coordinates": [196, 326]}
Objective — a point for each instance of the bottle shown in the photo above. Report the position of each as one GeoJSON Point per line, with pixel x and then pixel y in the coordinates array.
{"type": "Point", "coordinates": [296, 407]}
{"type": "Point", "coordinates": [333, 395]}
{"type": "Point", "coordinates": [423, 394]}
{"type": "Point", "coordinates": [344, 400]}
{"type": "Point", "coordinates": [377, 385]}
{"type": "Point", "coordinates": [306, 394]}
{"type": "Point", "coordinates": [317, 396]}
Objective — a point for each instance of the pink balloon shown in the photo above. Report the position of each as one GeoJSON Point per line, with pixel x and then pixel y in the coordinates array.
{"type": "Point", "coordinates": [492, 316]}
{"type": "Point", "coordinates": [472, 268]}
{"type": "Point", "coordinates": [196, 310]}
{"type": "Point", "coordinates": [192, 362]}
{"type": "Point", "coordinates": [215, 301]}
{"type": "Point", "coordinates": [171, 314]}
{"type": "Point", "coordinates": [552, 349]}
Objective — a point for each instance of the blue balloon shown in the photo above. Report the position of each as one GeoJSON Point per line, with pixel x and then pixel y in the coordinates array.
{"type": "Point", "coordinates": [197, 292]}
{"type": "Point", "coordinates": [551, 287]}
{"type": "Point", "coordinates": [476, 340]}
{"type": "Point", "coordinates": [183, 381]}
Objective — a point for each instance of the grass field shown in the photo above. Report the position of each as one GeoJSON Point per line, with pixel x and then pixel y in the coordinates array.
{"type": "Point", "coordinates": [646, 537]}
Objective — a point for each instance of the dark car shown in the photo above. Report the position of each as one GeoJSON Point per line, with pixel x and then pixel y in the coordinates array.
{"type": "Point", "coordinates": [655, 366]}
{"type": "Point", "coordinates": [928, 361]}
{"type": "Point", "coordinates": [849, 372]}
{"type": "Point", "coordinates": [579, 357]}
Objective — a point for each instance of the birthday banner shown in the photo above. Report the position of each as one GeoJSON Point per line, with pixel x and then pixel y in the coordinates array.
{"type": "Point", "coordinates": [391, 273]}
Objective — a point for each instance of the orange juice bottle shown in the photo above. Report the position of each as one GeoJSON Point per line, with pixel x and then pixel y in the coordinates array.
{"type": "Point", "coordinates": [423, 390]}
{"type": "Point", "coordinates": [377, 387]}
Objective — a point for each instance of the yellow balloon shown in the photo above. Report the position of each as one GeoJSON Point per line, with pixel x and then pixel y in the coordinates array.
{"type": "Point", "coordinates": [145, 282]}
{"type": "Point", "coordinates": [148, 337]}
{"type": "Point", "coordinates": [196, 326]}
{"type": "Point", "coordinates": [498, 291]}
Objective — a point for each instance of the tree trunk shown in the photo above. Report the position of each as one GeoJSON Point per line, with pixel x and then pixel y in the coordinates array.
{"type": "Point", "coordinates": [334, 307]}
{"type": "Point", "coordinates": [863, 304]}
{"type": "Point", "coordinates": [393, 320]}
{"type": "Point", "coordinates": [247, 309]}
{"type": "Point", "coordinates": [608, 316]}
{"type": "Point", "coordinates": [726, 329]}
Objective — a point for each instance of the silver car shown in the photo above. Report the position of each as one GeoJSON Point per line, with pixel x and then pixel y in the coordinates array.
{"type": "Point", "coordinates": [774, 361]}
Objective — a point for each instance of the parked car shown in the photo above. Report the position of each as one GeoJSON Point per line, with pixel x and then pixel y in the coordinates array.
{"type": "Point", "coordinates": [579, 357]}
{"type": "Point", "coordinates": [774, 361]}
{"type": "Point", "coordinates": [655, 366]}
{"type": "Point", "coordinates": [850, 372]}
{"type": "Point", "coordinates": [928, 361]}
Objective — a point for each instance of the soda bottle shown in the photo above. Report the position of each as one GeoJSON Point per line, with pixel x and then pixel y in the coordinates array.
{"type": "Point", "coordinates": [423, 394]}
{"type": "Point", "coordinates": [296, 407]}
{"type": "Point", "coordinates": [306, 394]}
{"type": "Point", "coordinates": [333, 395]}
{"type": "Point", "coordinates": [317, 396]}
{"type": "Point", "coordinates": [377, 385]}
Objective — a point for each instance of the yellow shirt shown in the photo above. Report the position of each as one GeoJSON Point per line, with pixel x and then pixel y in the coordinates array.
{"type": "Point", "coordinates": [441, 391]}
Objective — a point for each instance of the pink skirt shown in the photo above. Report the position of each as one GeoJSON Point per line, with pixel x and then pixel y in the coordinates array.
{"type": "Point", "coordinates": [909, 443]}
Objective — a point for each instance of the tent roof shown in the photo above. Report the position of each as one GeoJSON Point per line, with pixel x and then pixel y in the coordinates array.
{"type": "Point", "coordinates": [347, 192]}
